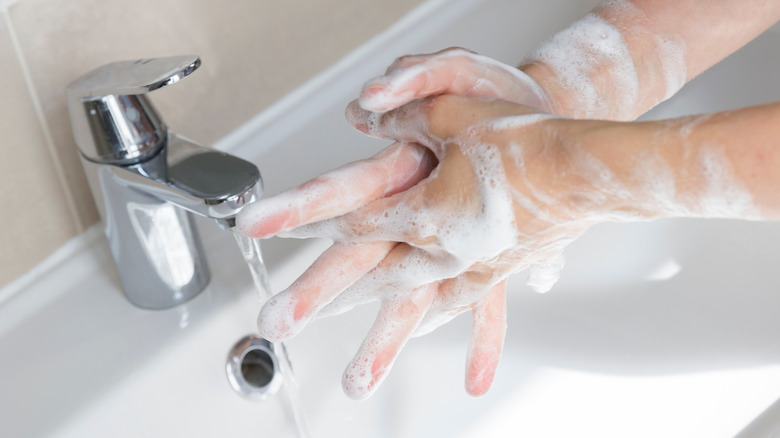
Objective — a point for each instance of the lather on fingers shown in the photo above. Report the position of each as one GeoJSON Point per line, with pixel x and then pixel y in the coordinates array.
{"type": "Point", "coordinates": [285, 314]}
{"type": "Point", "coordinates": [392, 170]}
{"type": "Point", "coordinates": [454, 235]}
{"type": "Point", "coordinates": [487, 340]}
{"type": "Point", "coordinates": [397, 319]}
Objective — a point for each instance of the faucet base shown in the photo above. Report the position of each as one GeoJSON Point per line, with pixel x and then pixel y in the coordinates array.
{"type": "Point", "coordinates": [156, 245]}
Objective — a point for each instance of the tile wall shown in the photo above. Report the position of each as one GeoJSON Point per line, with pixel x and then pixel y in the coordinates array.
{"type": "Point", "coordinates": [253, 52]}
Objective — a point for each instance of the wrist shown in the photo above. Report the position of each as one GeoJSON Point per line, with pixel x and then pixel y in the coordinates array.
{"type": "Point", "coordinates": [609, 65]}
{"type": "Point", "coordinates": [595, 95]}
{"type": "Point", "coordinates": [555, 94]}
{"type": "Point", "coordinates": [620, 171]}
{"type": "Point", "coordinates": [696, 166]}
{"type": "Point", "coordinates": [576, 171]}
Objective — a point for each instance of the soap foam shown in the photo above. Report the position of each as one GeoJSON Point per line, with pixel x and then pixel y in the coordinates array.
{"type": "Point", "coordinates": [724, 196]}
{"type": "Point", "coordinates": [717, 192]}
{"type": "Point", "coordinates": [542, 276]}
{"type": "Point", "coordinates": [514, 122]}
{"type": "Point", "coordinates": [593, 62]}
{"type": "Point", "coordinates": [657, 181]}
{"type": "Point", "coordinates": [575, 54]}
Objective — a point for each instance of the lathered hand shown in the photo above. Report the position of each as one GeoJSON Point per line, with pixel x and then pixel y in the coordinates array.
{"type": "Point", "coordinates": [431, 227]}
{"type": "Point", "coordinates": [478, 190]}
{"type": "Point", "coordinates": [475, 190]}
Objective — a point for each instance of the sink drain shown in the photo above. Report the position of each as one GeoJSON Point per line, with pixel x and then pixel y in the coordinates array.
{"type": "Point", "coordinates": [253, 368]}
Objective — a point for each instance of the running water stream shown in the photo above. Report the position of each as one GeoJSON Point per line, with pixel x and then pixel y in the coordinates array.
{"type": "Point", "coordinates": [250, 249]}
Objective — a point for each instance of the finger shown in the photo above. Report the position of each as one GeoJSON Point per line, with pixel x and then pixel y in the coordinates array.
{"type": "Point", "coordinates": [451, 71]}
{"type": "Point", "coordinates": [456, 295]}
{"type": "Point", "coordinates": [288, 312]}
{"type": "Point", "coordinates": [393, 327]}
{"type": "Point", "coordinates": [434, 120]}
{"type": "Point", "coordinates": [415, 77]}
{"type": "Point", "coordinates": [427, 216]}
{"type": "Point", "coordinates": [405, 268]}
{"type": "Point", "coordinates": [390, 219]}
{"type": "Point", "coordinates": [410, 60]}
{"type": "Point", "coordinates": [403, 217]}
{"type": "Point", "coordinates": [408, 123]}
{"type": "Point", "coordinates": [487, 340]}
{"type": "Point", "coordinates": [393, 170]}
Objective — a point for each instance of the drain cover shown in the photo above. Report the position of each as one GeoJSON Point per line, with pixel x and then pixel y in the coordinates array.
{"type": "Point", "coordinates": [253, 369]}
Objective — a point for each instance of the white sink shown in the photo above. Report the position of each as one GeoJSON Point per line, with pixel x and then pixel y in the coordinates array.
{"type": "Point", "coordinates": [657, 329]}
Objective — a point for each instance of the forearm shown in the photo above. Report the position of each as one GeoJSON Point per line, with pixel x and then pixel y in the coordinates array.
{"type": "Point", "coordinates": [625, 57]}
{"type": "Point", "coordinates": [721, 165]}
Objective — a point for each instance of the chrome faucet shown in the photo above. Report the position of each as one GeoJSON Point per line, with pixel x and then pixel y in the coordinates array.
{"type": "Point", "coordinates": [147, 181]}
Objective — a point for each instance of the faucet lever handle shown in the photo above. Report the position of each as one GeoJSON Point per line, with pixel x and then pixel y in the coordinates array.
{"type": "Point", "coordinates": [132, 77]}
{"type": "Point", "coordinates": [113, 121]}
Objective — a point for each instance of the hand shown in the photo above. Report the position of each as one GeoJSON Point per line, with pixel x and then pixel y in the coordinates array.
{"type": "Point", "coordinates": [451, 71]}
{"type": "Point", "coordinates": [477, 190]}
{"type": "Point", "coordinates": [431, 231]}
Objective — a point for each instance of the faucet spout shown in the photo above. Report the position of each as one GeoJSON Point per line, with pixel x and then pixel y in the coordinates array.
{"type": "Point", "coordinates": [201, 180]}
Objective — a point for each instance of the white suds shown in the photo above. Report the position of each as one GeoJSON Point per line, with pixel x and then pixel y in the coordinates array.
{"type": "Point", "coordinates": [514, 122]}
{"type": "Point", "coordinates": [593, 63]}
{"type": "Point", "coordinates": [542, 276]}
{"type": "Point", "coordinates": [724, 196]}
{"type": "Point", "coordinates": [575, 53]}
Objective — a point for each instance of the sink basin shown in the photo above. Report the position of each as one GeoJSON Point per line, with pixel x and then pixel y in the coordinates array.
{"type": "Point", "coordinates": [666, 328]}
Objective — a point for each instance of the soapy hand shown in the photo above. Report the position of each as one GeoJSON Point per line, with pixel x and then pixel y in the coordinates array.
{"type": "Point", "coordinates": [431, 227]}
{"type": "Point", "coordinates": [476, 190]}
{"type": "Point", "coordinates": [450, 71]}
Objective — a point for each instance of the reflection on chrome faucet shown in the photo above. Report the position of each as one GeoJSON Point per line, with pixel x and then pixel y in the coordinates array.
{"type": "Point", "coordinates": [147, 181]}
{"type": "Point", "coordinates": [174, 266]}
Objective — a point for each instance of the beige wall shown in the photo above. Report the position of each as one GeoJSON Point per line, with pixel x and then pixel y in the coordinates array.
{"type": "Point", "coordinates": [253, 52]}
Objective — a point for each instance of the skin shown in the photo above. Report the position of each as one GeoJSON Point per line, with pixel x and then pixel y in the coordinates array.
{"type": "Point", "coordinates": [700, 28]}
{"type": "Point", "coordinates": [434, 106]}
